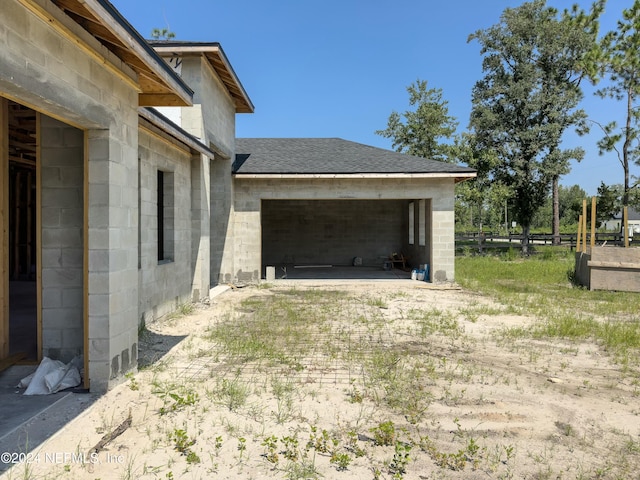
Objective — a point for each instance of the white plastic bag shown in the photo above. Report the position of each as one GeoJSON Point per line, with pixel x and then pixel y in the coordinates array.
{"type": "Point", "coordinates": [52, 376]}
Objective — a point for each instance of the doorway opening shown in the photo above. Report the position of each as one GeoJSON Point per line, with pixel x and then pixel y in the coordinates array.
{"type": "Point", "coordinates": [22, 239]}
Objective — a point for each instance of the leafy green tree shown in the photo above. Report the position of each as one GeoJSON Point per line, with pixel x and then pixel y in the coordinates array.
{"type": "Point", "coordinates": [569, 209]}
{"type": "Point", "coordinates": [609, 202]}
{"type": "Point", "coordinates": [483, 199]}
{"type": "Point", "coordinates": [620, 63]}
{"type": "Point", "coordinates": [162, 34]}
{"type": "Point", "coordinates": [571, 204]}
{"type": "Point", "coordinates": [533, 64]}
{"type": "Point", "coordinates": [421, 131]}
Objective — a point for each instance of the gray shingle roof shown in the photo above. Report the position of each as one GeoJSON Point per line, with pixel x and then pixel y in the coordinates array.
{"type": "Point", "coordinates": [329, 156]}
{"type": "Point", "coordinates": [633, 214]}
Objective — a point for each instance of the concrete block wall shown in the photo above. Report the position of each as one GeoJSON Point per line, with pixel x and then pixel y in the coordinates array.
{"type": "Point", "coordinates": [219, 121]}
{"type": "Point", "coordinates": [212, 119]}
{"type": "Point", "coordinates": [48, 72]}
{"type": "Point", "coordinates": [222, 233]}
{"type": "Point", "coordinates": [331, 231]}
{"type": "Point", "coordinates": [419, 252]}
{"type": "Point", "coordinates": [443, 234]}
{"type": "Point", "coordinates": [166, 284]}
{"type": "Point", "coordinates": [200, 227]}
{"type": "Point", "coordinates": [113, 252]}
{"type": "Point", "coordinates": [62, 214]}
{"type": "Point", "coordinates": [249, 193]}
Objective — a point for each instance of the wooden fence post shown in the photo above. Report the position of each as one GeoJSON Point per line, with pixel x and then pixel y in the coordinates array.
{"type": "Point", "coordinates": [579, 237]}
{"type": "Point", "coordinates": [593, 222]}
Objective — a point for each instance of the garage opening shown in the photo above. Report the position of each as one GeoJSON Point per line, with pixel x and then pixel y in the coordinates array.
{"type": "Point", "coordinates": [333, 238]}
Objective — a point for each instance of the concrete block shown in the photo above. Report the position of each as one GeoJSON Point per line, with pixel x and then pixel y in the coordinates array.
{"type": "Point", "coordinates": [98, 305]}
{"type": "Point", "coordinates": [270, 274]}
{"type": "Point", "coordinates": [62, 277]}
{"type": "Point", "coordinates": [99, 372]}
{"type": "Point", "coordinates": [51, 297]}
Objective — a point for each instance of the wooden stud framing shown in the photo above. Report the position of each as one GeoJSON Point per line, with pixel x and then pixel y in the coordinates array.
{"type": "Point", "coordinates": [29, 219]}
{"type": "Point", "coordinates": [4, 228]}
{"type": "Point", "coordinates": [39, 232]}
{"type": "Point", "coordinates": [16, 238]}
{"type": "Point", "coordinates": [85, 260]}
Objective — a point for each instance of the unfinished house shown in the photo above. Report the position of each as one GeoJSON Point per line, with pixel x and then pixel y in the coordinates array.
{"type": "Point", "coordinates": [105, 205]}
{"type": "Point", "coordinates": [124, 194]}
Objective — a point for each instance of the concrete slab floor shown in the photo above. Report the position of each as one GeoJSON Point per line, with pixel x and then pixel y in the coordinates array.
{"type": "Point", "coordinates": [27, 421]}
{"type": "Point", "coordinates": [339, 272]}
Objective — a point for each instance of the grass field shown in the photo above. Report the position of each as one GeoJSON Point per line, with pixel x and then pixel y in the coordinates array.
{"type": "Point", "coordinates": [541, 286]}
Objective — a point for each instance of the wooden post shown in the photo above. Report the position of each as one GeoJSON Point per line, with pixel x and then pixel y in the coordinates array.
{"type": "Point", "coordinates": [625, 222]}
{"type": "Point", "coordinates": [579, 234]}
{"type": "Point", "coordinates": [29, 243]}
{"type": "Point", "coordinates": [17, 226]}
{"type": "Point", "coordinates": [39, 232]}
{"type": "Point", "coordinates": [584, 225]}
{"type": "Point", "coordinates": [593, 222]}
{"type": "Point", "coordinates": [4, 228]}
{"type": "Point", "coordinates": [85, 259]}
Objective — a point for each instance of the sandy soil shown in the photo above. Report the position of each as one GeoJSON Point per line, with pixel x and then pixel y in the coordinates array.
{"type": "Point", "coordinates": [472, 403]}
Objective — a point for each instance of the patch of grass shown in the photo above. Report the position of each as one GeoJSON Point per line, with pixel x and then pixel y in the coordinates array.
{"type": "Point", "coordinates": [377, 302]}
{"type": "Point", "coordinates": [436, 321]}
{"type": "Point", "coordinates": [539, 287]}
{"type": "Point", "coordinates": [304, 469]}
{"type": "Point", "coordinates": [276, 328]}
{"type": "Point", "coordinates": [232, 393]}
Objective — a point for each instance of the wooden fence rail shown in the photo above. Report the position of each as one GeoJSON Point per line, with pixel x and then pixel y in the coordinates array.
{"type": "Point", "coordinates": [566, 239]}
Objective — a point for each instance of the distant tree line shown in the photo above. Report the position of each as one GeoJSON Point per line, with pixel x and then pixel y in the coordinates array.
{"type": "Point", "coordinates": [495, 214]}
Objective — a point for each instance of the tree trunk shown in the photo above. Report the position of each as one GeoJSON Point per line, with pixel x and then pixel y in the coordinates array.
{"type": "Point", "coordinates": [556, 212]}
{"type": "Point", "coordinates": [526, 229]}
{"type": "Point", "coordinates": [626, 146]}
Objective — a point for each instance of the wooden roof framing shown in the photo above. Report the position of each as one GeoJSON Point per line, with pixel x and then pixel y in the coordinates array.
{"type": "Point", "coordinates": [158, 84]}
{"type": "Point", "coordinates": [22, 134]}
{"type": "Point", "coordinates": [216, 57]}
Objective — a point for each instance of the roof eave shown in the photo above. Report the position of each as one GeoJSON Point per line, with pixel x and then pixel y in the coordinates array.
{"type": "Point", "coordinates": [167, 126]}
{"type": "Point", "coordinates": [218, 60]}
{"type": "Point", "coordinates": [154, 80]}
{"type": "Point", "coordinates": [129, 36]}
{"type": "Point", "coordinates": [458, 176]}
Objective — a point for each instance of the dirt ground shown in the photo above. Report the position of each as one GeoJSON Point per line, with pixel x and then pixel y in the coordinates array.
{"type": "Point", "coordinates": [423, 383]}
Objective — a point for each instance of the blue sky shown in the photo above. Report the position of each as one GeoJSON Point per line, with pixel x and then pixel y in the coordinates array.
{"type": "Point", "coordinates": [338, 68]}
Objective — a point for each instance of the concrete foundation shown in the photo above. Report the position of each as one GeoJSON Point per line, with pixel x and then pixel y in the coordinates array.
{"type": "Point", "coordinates": [609, 268]}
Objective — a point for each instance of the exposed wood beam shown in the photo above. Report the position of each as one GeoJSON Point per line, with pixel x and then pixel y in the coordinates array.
{"type": "Point", "coordinates": [153, 100]}
{"type": "Point", "coordinates": [4, 228]}
{"type": "Point", "coordinates": [23, 161]}
{"type": "Point", "coordinates": [134, 43]}
{"type": "Point", "coordinates": [24, 146]}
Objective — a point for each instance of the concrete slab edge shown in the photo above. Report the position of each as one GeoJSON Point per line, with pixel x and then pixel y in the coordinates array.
{"type": "Point", "coordinates": [218, 290]}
